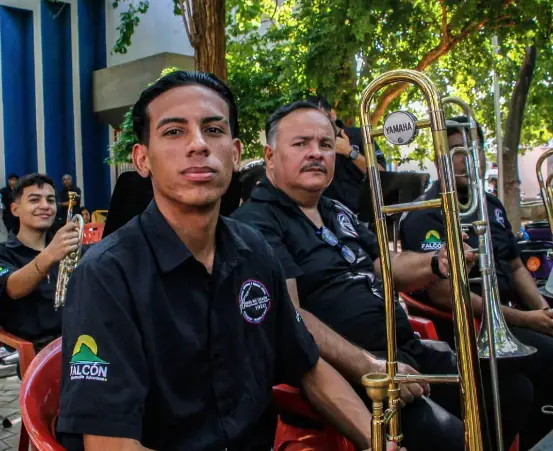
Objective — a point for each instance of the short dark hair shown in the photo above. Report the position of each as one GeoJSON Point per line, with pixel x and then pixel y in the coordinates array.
{"type": "Point", "coordinates": [13, 176]}
{"type": "Point", "coordinates": [465, 120]}
{"type": "Point", "coordinates": [321, 102]}
{"type": "Point", "coordinates": [271, 126]}
{"type": "Point", "coordinates": [31, 180]}
{"type": "Point", "coordinates": [140, 115]}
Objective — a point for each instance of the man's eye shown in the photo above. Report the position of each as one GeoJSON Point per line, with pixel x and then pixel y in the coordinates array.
{"type": "Point", "coordinates": [326, 145]}
{"type": "Point", "coordinates": [300, 144]}
{"type": "Point", "coordinates": [216, 130]}
{"type": "Point", "coordinates": [172, 132]}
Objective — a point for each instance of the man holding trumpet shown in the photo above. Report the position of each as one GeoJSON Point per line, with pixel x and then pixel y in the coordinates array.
{"type": "Point", "coordinates": [29, 262]}
{"type": "Point", "coordinates": [332, 266]}
{"type": "Point", "coordinates": [525, 310]}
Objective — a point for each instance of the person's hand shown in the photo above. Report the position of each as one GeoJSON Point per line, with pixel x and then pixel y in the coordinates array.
{"type": "Point", "coordinates": [443, 262]}
{"type": "Point", "coordinates": [65, 241]}
{"type": "Point", "coordinates": [343, 146]}
{"type": "Point", "coordinates": [412, 391]}
{"type": "Point", "coordinates": [539, 320]}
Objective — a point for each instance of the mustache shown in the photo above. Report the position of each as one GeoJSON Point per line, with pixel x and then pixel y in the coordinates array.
{"type": "Point", "coordinates": [314, 164]}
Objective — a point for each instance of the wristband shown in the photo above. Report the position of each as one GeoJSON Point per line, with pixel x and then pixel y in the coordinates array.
{"type": "Point", "coordinates": [435, 265]}
{"type": "Point", "coordinates": [38, 269]}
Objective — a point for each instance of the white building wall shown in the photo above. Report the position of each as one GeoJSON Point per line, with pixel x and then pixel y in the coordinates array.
{"type": "Point", "coordinates": [159, 31]}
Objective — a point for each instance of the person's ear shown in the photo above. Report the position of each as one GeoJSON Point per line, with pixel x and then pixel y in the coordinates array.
{"type": "Point", "coordinates": [236, 154]}
{"type": "Point", "coordinates": [141, 160]}
{"type": "Point", "coordinates": [14, 208]}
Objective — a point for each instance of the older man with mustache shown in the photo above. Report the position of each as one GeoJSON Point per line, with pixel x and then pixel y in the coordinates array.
{"type": "Point", "coordinates": [332, 266]}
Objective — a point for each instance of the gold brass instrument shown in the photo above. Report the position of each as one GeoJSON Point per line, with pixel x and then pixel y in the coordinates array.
{"type": "Point", "coordinates": [69, 263]}
{"type": "Point", "coordinates": [401, 128]}
{"type": "Point", "coordinates": [545, 186]}
{"type": "Point", "coordinates": [495, 340]}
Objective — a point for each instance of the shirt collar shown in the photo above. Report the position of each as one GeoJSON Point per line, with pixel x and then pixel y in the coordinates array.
{"type": "Point", "coordinates": [13, 242]}
{"type": "Point", "coordinates": [265, 191]}
{"type": "Point", "coordinates": [170, 251]}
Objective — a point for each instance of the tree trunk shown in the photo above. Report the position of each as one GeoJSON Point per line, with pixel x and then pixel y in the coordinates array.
{"type": "Point", "coordinates": [511, 141]}
{"type": "Point", "coordinates": [210, 43]}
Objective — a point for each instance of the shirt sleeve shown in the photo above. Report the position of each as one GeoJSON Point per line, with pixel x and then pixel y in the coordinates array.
{"type": "Point", "coordinates": [274, 235]}
{"type": "Point", "coordinates": [422, 231]}
{"type": "Point", "coordinates": [7, 268]}
{"type": "Point", "coordinates": [511, 250]}
{"type": "Point", "coordinates": [297, 352]}
{"type": "Point", "coordinates": [104, 371]}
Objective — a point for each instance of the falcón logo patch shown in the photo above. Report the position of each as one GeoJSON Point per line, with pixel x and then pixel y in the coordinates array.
{"type": "Point", "coordinates": [85, 363]}
{"type": "Point", "coordinates": [432, 241]}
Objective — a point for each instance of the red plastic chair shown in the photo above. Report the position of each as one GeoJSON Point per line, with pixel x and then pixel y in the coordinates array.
{"type": "Point", "coordinates": [93, 232]}
{"type": "Point", "coordinates": [292, 438]}
{"type": "Point", "coordinates": [26, 352]}
{"type": "Point", "coordinates": [39, 397]}
{"type": "Point", "coordinates": [428, 310]}
{"type": "Point", "coordinates": [424, 327]}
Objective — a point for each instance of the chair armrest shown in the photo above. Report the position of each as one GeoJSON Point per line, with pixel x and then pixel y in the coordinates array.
{"type": "Point", "coordinates": [290, 399]}
{"type": "Point", "coordinates": [25, 349]}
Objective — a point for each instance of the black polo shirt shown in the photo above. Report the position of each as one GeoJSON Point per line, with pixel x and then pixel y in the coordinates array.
{"type": "Point", "coordinates": [345, 296]}
{"type": "Point", "coordinates": [32, 317]}
{"type": "Point", "coordinates": [423, 231]}
{"type": "Point", "coordinates": [349, 180]}
{"type": "Point", "coordinates": [158, 350]}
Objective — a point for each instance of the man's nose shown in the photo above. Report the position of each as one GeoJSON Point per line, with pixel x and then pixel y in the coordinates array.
{"type": "Point", "coordinates": [314, 152]}
{"type": "Point", "coordinates": [197, 143]}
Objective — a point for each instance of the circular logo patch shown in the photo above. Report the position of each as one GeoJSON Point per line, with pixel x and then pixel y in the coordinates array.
{"type": "Point", "coordinates": [346, 224]}
{"type": "Point", "coordinates": [255, 301]}
{"type": "Point", "coordinates": [400, 128]}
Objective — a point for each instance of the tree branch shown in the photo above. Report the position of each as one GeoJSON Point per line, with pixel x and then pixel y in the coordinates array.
{"type": "Point", "coordinates": [185, 20]}
{"type": "Point", "coordinates": [445, 26]}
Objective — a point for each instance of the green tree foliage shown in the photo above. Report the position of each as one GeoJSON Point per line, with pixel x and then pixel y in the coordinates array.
{"type": "Point", "coordinates": [281, 51]}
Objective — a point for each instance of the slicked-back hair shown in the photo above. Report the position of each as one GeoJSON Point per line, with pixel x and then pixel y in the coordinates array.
{"type": "Point", "coordinates": [271, 125]}
{"type": "Point", "coordinates": [141, 117]}
{"type": "Point", "coordinates": [31, 180]}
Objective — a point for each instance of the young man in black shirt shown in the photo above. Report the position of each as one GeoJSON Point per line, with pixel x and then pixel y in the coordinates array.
{"type": "Point", "coordinates": [29, 262]}
{"type": "Point", "coordinates": [530, 318]}
{"type": "Point", "coordinates": [332, 266]}
{"type": "Point", "coordinates": [178, 324]}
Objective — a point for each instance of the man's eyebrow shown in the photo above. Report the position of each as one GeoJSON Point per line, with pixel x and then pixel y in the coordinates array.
{"type": "Point", "coordinates": [304, 138]}
{"type": "Point", "coordinates": [208, 119]}
{"type": "Point", "coordinates": [169, 120]}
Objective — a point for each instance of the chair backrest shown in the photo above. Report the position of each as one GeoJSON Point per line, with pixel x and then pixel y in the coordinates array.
{"type": "Point", "coordinates": [39, 397]}
{"type": "Point", "coordinates": [93, 232]}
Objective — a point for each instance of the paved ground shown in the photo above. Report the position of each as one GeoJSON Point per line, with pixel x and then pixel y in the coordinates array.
{"type": "Point", "coordinates": [9, 407]}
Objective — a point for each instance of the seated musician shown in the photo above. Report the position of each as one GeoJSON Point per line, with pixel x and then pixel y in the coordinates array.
{"type": "Point", "coordinates": [178, 324]}
{"type": "Point", "coordinates": [29, 263]}
{"type": "Point", "coordinates": [332, 266]}
{"type": "Point", "coordinates": [530, 320]}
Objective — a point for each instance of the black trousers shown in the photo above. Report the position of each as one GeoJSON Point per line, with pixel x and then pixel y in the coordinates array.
{"type": "Point", "coordinates": [434, 423]}
{"type": "Point", "coordinates": [538, 368]}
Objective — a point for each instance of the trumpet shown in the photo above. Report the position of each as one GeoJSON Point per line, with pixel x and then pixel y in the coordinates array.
{"type": "Point", "coordinates": [401, 128]}
{"type": "Point", "coordinates": [69, 262]}
{"type": "Point", "coordinates": [545, 186]}
{"type": "Point", "coordinates": [495, 340]}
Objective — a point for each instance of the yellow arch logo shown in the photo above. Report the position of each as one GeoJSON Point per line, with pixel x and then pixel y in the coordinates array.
{"type": "Point", "coordinates": [432, 236]}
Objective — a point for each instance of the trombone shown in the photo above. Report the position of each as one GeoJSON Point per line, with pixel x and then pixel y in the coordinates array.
{"type": "Point", "coordinates": [401, 128]}
{"type": "Point", "coordinates": [495, 340]}
{"type": "Point", "coordinates": [545, 187]}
